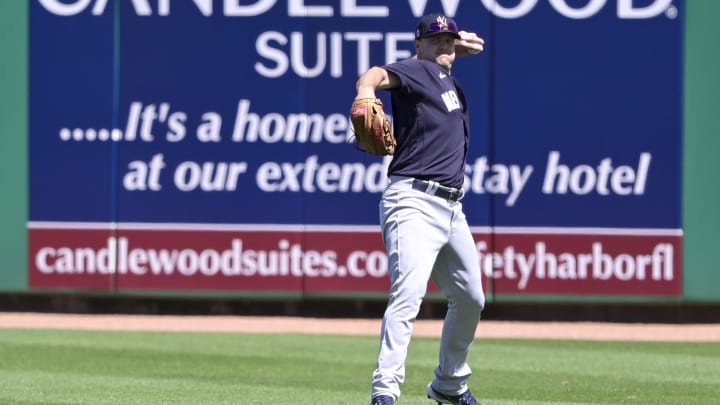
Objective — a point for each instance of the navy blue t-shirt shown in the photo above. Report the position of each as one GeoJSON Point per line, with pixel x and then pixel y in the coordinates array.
{"type": "Point", "coordinates": [430, 123]}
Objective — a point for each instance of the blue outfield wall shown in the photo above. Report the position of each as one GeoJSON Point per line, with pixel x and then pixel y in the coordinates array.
{"type": "Point", "coordinates": [203, 147]}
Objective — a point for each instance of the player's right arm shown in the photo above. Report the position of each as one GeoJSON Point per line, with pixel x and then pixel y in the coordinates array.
{"type": "Point", "coordinates": [373, 79]}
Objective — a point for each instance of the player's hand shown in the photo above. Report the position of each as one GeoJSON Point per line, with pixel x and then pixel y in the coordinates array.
{"type": "Point", "coordinates": [468, 44]}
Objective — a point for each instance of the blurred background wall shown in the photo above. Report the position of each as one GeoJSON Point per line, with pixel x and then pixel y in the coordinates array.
{"type": "Point", "coordinates": [567, 96]}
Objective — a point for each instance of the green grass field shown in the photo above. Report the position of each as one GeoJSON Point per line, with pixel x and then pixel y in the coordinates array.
{"type": "Point", "coordinates": [80, 367]}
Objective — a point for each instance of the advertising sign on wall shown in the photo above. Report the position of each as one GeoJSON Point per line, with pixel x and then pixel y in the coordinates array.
{"type": "Point", "coordinates": [204, 145]}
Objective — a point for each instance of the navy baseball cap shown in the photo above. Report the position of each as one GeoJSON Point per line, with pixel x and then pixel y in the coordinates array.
{"type": "Point", "coordinates": [433, 24]}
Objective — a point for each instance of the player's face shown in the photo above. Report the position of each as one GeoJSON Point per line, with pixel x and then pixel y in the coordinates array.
{"type": "Point", "coordinates": [439, 48]}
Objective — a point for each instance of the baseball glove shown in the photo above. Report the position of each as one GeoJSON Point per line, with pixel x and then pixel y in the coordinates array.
{"type": "Point", "coordinates": [373, 132]}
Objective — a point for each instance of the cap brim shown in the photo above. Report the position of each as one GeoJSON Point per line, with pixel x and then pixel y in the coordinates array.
{"type": "Point", "coordinates": [431, 34]}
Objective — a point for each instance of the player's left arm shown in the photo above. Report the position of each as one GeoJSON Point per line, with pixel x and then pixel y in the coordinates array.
{"type": "Point", "coordinates": [468, 44]}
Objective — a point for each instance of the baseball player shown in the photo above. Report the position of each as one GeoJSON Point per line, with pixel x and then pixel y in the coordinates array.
{"type": "Point", "coordinates": [423, 225]}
